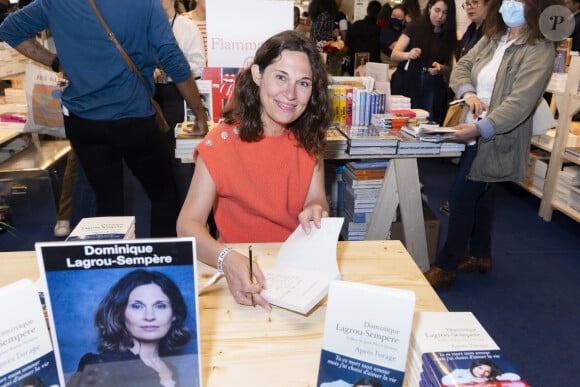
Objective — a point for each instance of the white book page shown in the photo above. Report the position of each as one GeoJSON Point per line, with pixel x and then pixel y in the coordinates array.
{"type": "Point", "coordinates": [306, 264]}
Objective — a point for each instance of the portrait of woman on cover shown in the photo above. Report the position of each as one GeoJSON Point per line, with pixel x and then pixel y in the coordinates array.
{"type": "Point", "coordinates": [140, 324]}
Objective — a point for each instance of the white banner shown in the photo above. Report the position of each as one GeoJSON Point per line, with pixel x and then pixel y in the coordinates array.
{"type": "Point", "coordinates": [235, 29]}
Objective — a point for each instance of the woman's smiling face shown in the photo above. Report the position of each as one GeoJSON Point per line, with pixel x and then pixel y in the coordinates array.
{"type": "Point", "coordinates": [285, 90]}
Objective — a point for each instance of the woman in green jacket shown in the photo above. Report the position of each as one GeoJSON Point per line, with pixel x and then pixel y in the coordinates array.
{"type": "Point", "coordinates": [501, 80]}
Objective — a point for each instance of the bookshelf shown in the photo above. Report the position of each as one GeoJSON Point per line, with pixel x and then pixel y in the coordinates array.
{"type": "Point", "coordinates": [568, 103]}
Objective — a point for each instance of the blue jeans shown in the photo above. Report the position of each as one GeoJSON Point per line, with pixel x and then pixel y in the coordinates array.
{"type": "Point", "coordinates": [101, 148]}
{"type": "Point", "coordinates": [471, 218]}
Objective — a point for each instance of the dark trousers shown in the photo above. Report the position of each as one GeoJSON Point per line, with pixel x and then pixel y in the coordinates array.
{"type": "Point", "coordinates": [471, 218]}
{"type": "Point", "coordinates": [431, 96]}
{"type": "Point", "coordinates": [102, 146]}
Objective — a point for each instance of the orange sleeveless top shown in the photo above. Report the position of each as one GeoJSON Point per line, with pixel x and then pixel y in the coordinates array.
{"type": "Point", "coordinates": [261, 186]}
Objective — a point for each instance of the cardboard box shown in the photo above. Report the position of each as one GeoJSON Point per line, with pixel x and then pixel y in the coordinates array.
{"type": "Point", "coordinates": [432, 229]}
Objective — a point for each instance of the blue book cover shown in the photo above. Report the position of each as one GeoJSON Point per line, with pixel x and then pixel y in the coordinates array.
{"type": "Point", "coordinates": [486, 368]}
{"type": "Point", "coordinates": [113, 305]}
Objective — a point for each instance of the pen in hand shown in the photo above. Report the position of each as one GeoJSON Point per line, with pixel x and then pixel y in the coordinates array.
{"type": "Point", "coordinates": [251, 270]}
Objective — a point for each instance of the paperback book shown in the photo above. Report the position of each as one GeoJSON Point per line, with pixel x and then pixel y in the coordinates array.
{"type": "Point", "coordinates": [453, 349]}
{"type": "Point", "coordinates": [26, 354]}
{"type": "Point", "coordinates": [306, 264]}
{"type": "Point", "coordinates": [366, 335]}
{"type": "Point", "coordinates": [104, 227]}
{"type": "Point", "coordinates": [482, 368]}
{"type": "Point", "coordinates": [109, 301]}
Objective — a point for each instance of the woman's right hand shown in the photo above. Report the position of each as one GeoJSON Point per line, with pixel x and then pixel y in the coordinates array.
{"type": "Point", "coordinates": [414, 53]}
{"type": "Point", "coordinates": [236, 269]}
{"type": "Point", "coordinates": [476, 106]}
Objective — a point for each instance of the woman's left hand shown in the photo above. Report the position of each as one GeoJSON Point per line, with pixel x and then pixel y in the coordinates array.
{"type": "Point", "coordinates": [466, 133]}
{"type": "Point", "coordinates": [313, 212]}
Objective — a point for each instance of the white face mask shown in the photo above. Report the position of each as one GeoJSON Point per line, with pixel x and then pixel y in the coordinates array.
{"type": "Point", "coordinates": [512, 13]}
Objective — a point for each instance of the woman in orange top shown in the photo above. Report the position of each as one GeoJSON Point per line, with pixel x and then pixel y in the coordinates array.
{"type": "Point", "coordinates": [262, 170]}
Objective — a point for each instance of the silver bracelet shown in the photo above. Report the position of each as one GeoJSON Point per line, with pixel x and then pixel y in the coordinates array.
{"type": "Point", "coordinates": [220, 261]}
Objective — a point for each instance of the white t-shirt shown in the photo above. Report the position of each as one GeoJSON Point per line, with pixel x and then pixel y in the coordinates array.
{"type": "Point", "coordinates": [190, 41]}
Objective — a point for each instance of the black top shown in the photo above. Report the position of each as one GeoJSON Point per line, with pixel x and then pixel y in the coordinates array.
{"type": "Point", "coordinates": [116, 369]}
{"type": "Point", "coordinates": [388, 36]}
{"type": "Point", "coordinates": [576, 33]}
{"type": "Point", "coordinates": [468, 40]}
{"type": "Point", "coordinates": [363, 36]}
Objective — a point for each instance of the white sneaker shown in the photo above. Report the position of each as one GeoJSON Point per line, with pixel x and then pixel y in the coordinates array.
{"type": "Point", "coordinates": [62, 228]}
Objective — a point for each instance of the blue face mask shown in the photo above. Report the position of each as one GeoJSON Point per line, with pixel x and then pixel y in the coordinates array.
{"type": "Point", "coordinates": [512, 13]}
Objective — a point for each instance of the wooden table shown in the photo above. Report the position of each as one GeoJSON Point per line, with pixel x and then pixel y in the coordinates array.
{"type": "Point", "coordinates": [244, 346]}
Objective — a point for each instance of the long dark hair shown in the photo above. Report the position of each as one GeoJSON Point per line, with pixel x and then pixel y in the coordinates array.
{"type": "Point", "coordinates": [495, 26]}
{"type": "Point", "coordinates": [316, 7]}
{"type": "Point", "coordinates": [246, 109]}
{"type": "Point", "coordinates": [448, 30]}
{"type": "Point", "coordinates": [110, 320]}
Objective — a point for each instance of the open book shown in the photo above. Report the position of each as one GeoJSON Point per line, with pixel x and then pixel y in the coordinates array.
{"type": "Point", "coordinates": [305, 266]}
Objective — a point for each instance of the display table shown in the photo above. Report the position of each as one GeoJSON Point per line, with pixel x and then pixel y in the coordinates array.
{"type": "Point", "coordinates": [245, 346]}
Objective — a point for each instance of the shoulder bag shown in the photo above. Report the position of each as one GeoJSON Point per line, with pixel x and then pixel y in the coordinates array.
{"type": "Point", "coordinates": [159, 118]}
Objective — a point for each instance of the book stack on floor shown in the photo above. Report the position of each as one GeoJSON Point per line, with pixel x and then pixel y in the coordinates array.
{"type": "Point", "coordinates": [569, 182]}
{"type": "Point", "coordinates": [369, 140]}
{"type": "Point", "coordinates": [453, 349]}
{"type": "Point", "coordinates": [336, 143]}
{"type": "Point", "coordinates": [362, 181]}
{"type": "Point", "coordinates": [104, 227]}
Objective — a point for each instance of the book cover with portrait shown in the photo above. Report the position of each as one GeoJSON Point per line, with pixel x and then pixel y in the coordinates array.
{"type": "Point", "coordinates": [123, 312]}
{"type": "Point", "coordinates": [366, 335]}
{"type": "Point", "coordinates": [487, 368]}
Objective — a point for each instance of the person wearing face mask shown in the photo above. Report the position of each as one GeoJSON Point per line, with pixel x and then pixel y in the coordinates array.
{"type": "Point", "coordinates": [390, 33]}
{"type": "Point", "coordinates": [502, 80]}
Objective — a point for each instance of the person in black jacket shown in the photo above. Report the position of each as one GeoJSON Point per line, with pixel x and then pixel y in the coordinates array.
{"type": "Point", "coordinates": [363, 35]}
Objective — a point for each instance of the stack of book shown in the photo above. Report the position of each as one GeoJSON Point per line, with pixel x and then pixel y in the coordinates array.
{"type": "Point", "coordinates": [409, 145]}
{"type": "Point", "coordinates": [430, 132]}
{"type": "Point", "coordinates": [369, 140]}
{"type": "Point", "coordinates": [104, 227]}
{"type": "Point", "coordinates": [186, 140]}
{"type": "Point", "coordinates": [453, 349]}
{"type": "Point", "coordinates": [568, 179]}
{"type": "Point", "coordinates": [389, 121]}
{"type": "Point", "coordinates": [336, 143]}
{"type": "Point", "coordinates": [400, 102]}
{"type": "Point", "coordinates": [537, 168]}
{"type": "Point", "coordinates": [573, 151]}
{"type": "Point", "coordinates": [362, 181]}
